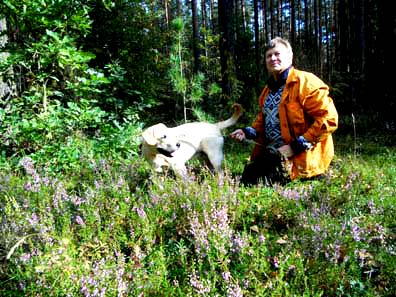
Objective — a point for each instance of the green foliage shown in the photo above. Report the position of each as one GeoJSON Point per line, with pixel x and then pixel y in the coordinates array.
{"type": "Point", "coordinates": [66, 137]}
{"type": "Point", "coordinates": [65, 110]}
{"type": "Point", "coordinates": [192, 88]}
{"type": "Point", "coordinates": [45, 53]}
{"type": "Point", "coordinates": [189, 86]}
{"type": "Point", "coordinates": [132, 35]}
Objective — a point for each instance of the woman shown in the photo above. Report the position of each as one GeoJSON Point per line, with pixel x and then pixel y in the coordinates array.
{"type": "Point", "coordinates": [294, 126]}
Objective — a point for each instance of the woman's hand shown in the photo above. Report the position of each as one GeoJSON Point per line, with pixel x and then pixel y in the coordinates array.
{"type": "Point", "coordinates": [286, 151]}
{"type": "Point", "coordinates": [238, 135]}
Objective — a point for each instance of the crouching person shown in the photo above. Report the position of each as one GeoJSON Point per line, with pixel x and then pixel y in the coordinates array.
{"type": "Point", "coordinates": [293, 129]}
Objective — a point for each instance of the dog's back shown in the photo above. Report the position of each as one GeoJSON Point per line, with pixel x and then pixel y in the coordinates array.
{"type": "Point", "coordinates": [182, 142]}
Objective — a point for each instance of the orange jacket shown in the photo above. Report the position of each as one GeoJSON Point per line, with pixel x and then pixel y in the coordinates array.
{"type": "Point", "coordinates": [305, 109]}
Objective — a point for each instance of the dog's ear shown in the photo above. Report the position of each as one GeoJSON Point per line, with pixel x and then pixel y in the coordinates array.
{"type": "Point", "coordinates": [151, 134]}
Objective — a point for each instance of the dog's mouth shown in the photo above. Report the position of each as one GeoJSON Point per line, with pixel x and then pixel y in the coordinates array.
{"type": "Point", "coordinates": [164, 152]}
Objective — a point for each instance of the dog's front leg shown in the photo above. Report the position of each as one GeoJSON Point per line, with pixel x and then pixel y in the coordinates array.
{"type": "Point", "coordinates": [158, 168]}
{"type": "Point", "coordinates": [159, 162]}
{"type": "Point", "coordinates": [180, 169]}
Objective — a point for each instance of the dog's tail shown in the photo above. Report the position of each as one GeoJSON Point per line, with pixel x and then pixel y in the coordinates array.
{"type": "Point", "coordinates": [238, 110]}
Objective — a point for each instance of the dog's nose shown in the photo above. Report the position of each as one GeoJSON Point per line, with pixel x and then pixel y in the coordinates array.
{"type": "Point", "coordinates": [178, 144]}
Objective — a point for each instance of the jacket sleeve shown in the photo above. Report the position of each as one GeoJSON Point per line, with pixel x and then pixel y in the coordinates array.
{"type": "Point", "coordinates": [258, 123]}
{"type": "Point", "coordinates": [320, 108]}
{"type": "Point", "coordinates": [250, 132]}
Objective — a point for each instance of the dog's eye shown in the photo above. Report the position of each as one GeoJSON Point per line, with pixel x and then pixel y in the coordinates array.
{"type": "Point", "coordinates": [163, 137]}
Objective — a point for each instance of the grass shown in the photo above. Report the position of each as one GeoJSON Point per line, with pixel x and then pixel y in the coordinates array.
{"type": "Point", "coordinates": [113, 229]}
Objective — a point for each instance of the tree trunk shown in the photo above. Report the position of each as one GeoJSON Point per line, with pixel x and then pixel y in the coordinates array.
{"type": "Point", "coordinates": [213, 19]}
{"type": "Point", "coordinates": [195, 37]}
{"type": "Point", "coordinates": [279, 22]}
{"type": "Point", "coordinates": [243, 8]}
{"type": "Point", "coordinates": [316, 34]}
{"type": "Point", "coordinates": [226, 51]}
{"type": "Point", "coordinates": [361, 26]}
{"type": "Point", "coordinates": [307, 30]}
{"type": "Point", "coordinates": [272, 19]}
{"type": "Point", "coordinates": [256, 40]}
{"type": "Point", "coordinates": [178, 8]}
{"type": "Point", "coordinates": [343, 37]}
{"type": "Point", "coordinates": [292, 23]}
{"type": "Point", "coordinates": [5, 88]}
{"type": "Point", "coordinates": [265, 21]}
{"type": "Point", "coordinates": [319, 41]}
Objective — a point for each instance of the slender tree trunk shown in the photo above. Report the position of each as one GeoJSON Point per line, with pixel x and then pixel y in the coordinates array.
{"type": "Point", "coordinates": [336, 38]}
{"type": "Point", "coordinates": [214, 21]}
{"type": "Point", "coordinates": [298, 28]}
{"type": "Point", "coordinates": [166, 9]}
{"type": "Point", "coordinates": [243, 8]}
{"type": "Point", "coordinates": [195, 37]}
{"type": "Point", "coordinates": [265, 21]}
{"type": "Point", "coordinates": [292, 23]}
{"type": "Point", "coordinates": [343, 37]}
{"type": "Point", "coordinates": [316, 35]}
{"type": "Point", "coordinates": [226, 51]}
{"type": "Point", "coordinates": [320, 38]}
{"type": "Point", "coordinates": [362, 39]}
{"type": "Point", "coordinates": [307, 30]}
{"type": "Point", "coordinates": [272, 19]}
{"type": "Point", "coordinates": [5, 88]}
{"type": "Point", "coordinates": [279, 22]}
{"type": "Point", "coordinates": [204, 15]}
{"type": "Point", "coordinates": [178, 8]}
{"type": "Point", "coordinates": [257, 39]}
{"type": "Point", "coordinates": [327, 38]}
{"type": "Point", "coordinates": [205, 21]}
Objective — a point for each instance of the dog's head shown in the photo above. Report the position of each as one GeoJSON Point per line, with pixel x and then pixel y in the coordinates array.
{"type": "Point", "coordinates": [159, 136]}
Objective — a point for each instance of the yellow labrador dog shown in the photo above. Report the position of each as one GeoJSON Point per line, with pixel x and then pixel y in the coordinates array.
{"type": "Point", "coordinates": [173, 147]}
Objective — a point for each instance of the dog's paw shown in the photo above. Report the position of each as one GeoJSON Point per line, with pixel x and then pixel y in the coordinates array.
{"type": "Point", "coordinates": [158, 169]}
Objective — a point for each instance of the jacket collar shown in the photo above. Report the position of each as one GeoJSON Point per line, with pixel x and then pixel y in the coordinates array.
{"type": "Point", "coordinates": [274, 85]}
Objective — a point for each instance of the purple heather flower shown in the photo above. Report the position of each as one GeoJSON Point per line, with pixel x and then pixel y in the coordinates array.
{"type": "Point", "coordinates": [98, 185]}
{"type": "Point", "coordinates": [238, 243]}
{"type": "Point", "coordinates": [28, 164]}
{"type": "Point", "coordinates": [21, 286]}
{"type": "Point", "coordinates": [34, 220]}
{"type": "Point", "coordinates": [226, 276]}
{"type": "Point", "coordinates": [198, 286]}
{"type": "Point", "coordinates": [356, 232]}
{"type": "Point", "coordinates": [79, 221]}
{"type": "Point", "coordinates": [140, 211]}
{"type": "Point", "coordinates": [234, 290]}
{"type": "Point", "coordinates": [25, 257]}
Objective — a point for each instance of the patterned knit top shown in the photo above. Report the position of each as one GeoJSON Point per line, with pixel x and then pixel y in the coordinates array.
{"type": "Point", "coordinates": [271, 114]}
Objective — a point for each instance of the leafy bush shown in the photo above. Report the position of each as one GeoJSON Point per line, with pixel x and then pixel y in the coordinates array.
{"type": "Point", "coordinates": [65, 111]}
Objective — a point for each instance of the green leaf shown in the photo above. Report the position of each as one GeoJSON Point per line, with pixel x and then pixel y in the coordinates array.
{"type": "Point", "coordinates": [12, 7]}
{"type": "Point", "coordinates": [52, 34]}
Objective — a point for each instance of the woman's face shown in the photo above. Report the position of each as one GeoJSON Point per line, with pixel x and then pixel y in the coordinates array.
{"type": "Point", "coordinates": [278, 59]}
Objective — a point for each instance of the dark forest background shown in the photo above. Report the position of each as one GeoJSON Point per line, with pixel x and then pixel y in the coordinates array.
{"type": "Point", "coordinates": [81, 65]}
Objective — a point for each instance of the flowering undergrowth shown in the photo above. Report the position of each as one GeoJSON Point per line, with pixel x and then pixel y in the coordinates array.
{"type": "Point", "coordinates": [114, 229]}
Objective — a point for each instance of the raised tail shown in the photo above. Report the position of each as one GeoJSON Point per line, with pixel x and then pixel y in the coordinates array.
{"type": "Point", "coordinates": [238, 110]}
